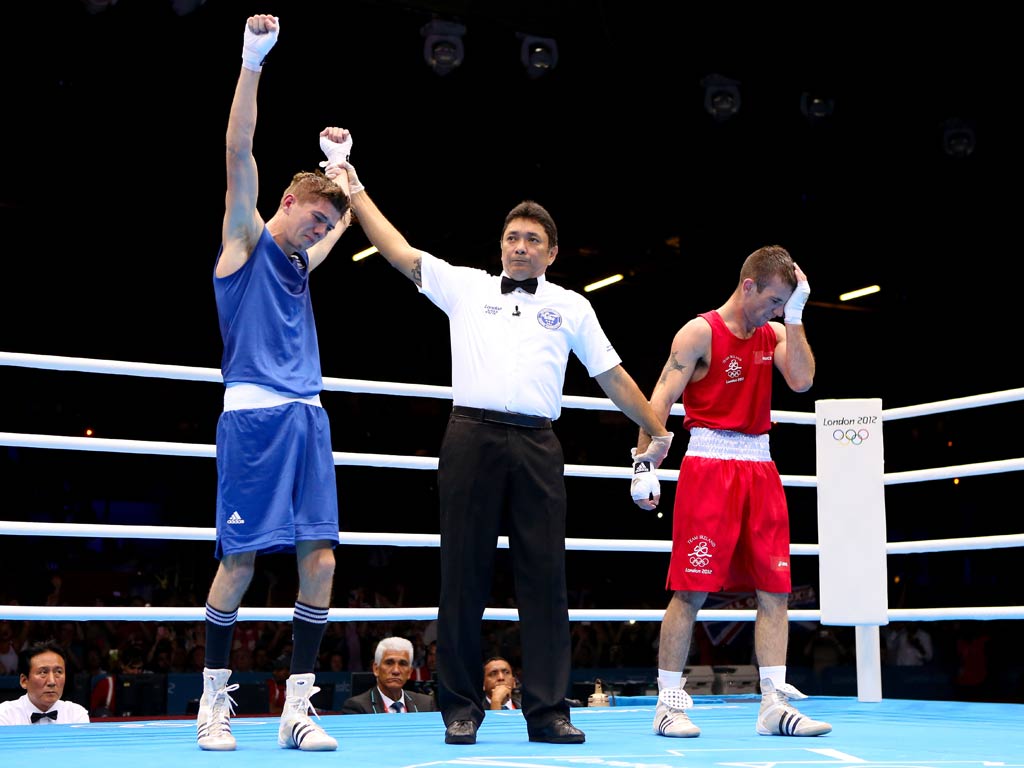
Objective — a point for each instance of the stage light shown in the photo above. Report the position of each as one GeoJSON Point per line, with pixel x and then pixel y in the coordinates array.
{"type": "Point", "coordinates": [849, 296]}
{"type": "Point", "coordinates": [816, 107]}
{"type": "Point", "coordinates": [364, 253]}
{"type": "Point", "coordinates": [958, 138]}
{"type": "Point", "coordinates": [442, 45]}
{"type": "Point", "coordinates": [721, 96]}
{"type": "Point", "coordinates": [538, 54]}
{"type": "Point", "coordinates": [602, 283]}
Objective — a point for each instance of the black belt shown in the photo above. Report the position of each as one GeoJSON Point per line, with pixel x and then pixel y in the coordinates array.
{"type": "Point", "coordinates": [502, 417]}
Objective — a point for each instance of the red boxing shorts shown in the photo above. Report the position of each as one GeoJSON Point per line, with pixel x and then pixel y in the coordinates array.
{"type": "Point", "coordinates": [730, 529]}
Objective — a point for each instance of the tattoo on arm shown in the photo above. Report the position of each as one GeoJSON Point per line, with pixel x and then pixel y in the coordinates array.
{"type": "Point", "coordinates": [671, 365]}
{"type": "Point", "coordinates": [417, 272]}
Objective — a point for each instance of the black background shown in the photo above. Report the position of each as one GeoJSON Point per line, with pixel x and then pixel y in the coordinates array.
{"type": "Point", "coordinates": [112, 201]}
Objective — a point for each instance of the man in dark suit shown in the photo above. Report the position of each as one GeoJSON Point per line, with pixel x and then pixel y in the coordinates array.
{"type": "Point", "coordinates": [500, 688]}
{"type": "Point", "coordinates": [392, 665]}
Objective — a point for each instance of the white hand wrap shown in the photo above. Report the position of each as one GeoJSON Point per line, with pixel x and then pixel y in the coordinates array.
{"type": "Point", "coordinates": [335, 152]}
{"type": "Point", "coordinates": [794, 311]}
{"type": "Point", "coordinates": [645, 485]}
{"type": "Point", "coordinates": [255, 47]}
{"type": "Point", "coordinates": [657, 450]}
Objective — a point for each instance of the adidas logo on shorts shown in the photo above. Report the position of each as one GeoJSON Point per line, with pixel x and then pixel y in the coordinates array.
{"type": "Point", "coordinates": [236, 519]}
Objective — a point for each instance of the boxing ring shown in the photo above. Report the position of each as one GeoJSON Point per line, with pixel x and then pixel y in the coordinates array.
{"type": "Point", "coordinates": [867, 731]}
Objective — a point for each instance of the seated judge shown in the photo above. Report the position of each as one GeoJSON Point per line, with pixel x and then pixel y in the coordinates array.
{"type": "Point", "coordinates": [392, 665]}
{"type": "Point", "coordinates": [500, 689]}
{"type": "Point", "coordinates": [42, 673]}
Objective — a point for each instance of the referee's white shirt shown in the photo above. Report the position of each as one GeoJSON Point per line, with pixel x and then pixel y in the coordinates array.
{"type": "Point", "coordinates": [510, 351]}
{"type": "Point", "coordinates": [19, 712]}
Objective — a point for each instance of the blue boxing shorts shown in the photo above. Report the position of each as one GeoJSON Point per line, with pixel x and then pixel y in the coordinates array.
{"type": "Point", "coordinates": [276, 481]}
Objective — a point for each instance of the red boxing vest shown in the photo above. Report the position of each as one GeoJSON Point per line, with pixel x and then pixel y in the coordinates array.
{"type": "Point", "coordinates": [736, 393]}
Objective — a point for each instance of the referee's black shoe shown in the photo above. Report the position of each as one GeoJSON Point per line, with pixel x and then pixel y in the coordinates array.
{"type": "Point", "coordinates": [559, 731]}
{"type": "Point", "coordinates": [460, 732]}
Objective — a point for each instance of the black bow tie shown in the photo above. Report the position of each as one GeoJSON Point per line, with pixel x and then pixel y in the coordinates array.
{"type": "Point", "coordinates": [37, 716]}
{"type": "Point", "coordinates": [508, 284]}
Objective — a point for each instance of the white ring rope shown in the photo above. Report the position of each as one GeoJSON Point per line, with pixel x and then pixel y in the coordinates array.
{"type": "Point", "coordinates": [149, 613]}
{"type": "Point", "coordinates": [341, 458]}
{"type": "Point", "coordinates": [360, 386]}
{"type": "Point", "coordinates": [87, 365]}
{"type": "Point", "coordinates": [198, 613]}
{"type": "Point", "coordinates": [178, 533]}
{"type": "Point", "coordinates": [955, 404]}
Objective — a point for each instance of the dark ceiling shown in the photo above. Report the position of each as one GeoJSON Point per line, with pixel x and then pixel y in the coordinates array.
{"type": "Point", "coordinates": [113, 188]}
{"type": "Point", "coordinates": [112, 195]}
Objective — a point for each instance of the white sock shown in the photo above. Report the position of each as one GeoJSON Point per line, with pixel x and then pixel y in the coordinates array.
{"type": "Point", "coordinates": [776, 674]}
{"type": "Point", "coordinates": [668, 679]}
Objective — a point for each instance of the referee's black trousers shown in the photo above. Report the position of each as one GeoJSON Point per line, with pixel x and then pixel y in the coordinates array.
{"type": "Point", "coordinates": [488, 472]}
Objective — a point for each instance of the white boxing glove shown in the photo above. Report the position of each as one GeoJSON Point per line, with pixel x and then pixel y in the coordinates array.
{"type": "Point", "coordinates": [794, 312]}
{"type": "Point", "coordinates": [657, 450]}
{"type": "Point", "coordinates": [335, 152]}
{"type": "Point", "coordinates": [645, 485]}
{"type": "Point", "coordinates": [256, 45]}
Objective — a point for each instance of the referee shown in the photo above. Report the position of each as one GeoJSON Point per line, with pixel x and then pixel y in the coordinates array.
{"type": "Point", "coordinates": [511, 336]}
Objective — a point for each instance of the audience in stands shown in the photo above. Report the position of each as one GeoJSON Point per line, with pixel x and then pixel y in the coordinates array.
{"type": "Point", "coordinates": [103, 699]}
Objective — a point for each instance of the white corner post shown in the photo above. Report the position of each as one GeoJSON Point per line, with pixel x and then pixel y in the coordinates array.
{"type": "Point", "coordinates": [851, 529]}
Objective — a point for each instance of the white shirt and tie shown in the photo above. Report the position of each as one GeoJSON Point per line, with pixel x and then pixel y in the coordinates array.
{"type": "Point", "coordinates": [393, 707]}
{"type": "Point", "coordinates": [23, 712]}
{"type": "Point", "coordinates": [510, 350]}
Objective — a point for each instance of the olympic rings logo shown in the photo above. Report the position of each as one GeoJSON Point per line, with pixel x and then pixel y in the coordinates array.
{"type": "Point", "coordinates": [701, 555]}
{"type": "Point", "coordinates": [850, 436]}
